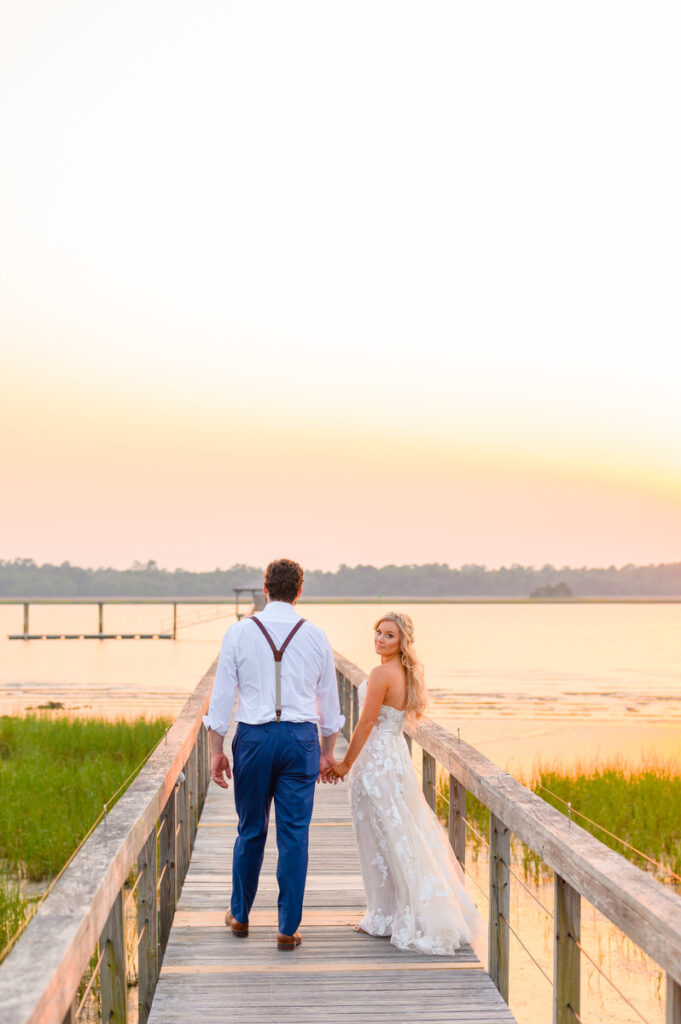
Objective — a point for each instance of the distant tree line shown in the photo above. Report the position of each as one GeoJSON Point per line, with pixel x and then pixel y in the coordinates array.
{"type": "Point", "coordinates": [22, 577]}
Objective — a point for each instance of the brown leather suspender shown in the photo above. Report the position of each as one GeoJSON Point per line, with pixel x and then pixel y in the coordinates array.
{"type": "Point", "coordinates": [278, 653]}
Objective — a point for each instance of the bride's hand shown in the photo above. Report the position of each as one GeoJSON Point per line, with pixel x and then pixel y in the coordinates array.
{"type": "Point", "coordinates": [339, 770]}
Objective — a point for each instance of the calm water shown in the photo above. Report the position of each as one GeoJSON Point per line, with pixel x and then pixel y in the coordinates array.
{"type": "Point", "coordinates": [521, 682]}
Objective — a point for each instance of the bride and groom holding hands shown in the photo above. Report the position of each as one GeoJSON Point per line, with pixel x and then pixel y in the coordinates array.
{"type": "Point", "coordinates": [282, 670]}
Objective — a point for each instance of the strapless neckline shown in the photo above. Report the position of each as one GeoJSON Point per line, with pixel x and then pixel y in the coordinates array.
{"type": "Point", "coordinates": [384, 707]}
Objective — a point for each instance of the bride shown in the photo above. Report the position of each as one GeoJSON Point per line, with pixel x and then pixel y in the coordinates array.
{"type": "Point", "coordinates": [414, 884]}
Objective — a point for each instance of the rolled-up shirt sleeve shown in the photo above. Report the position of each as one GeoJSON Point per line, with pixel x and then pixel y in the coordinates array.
{"type": "Point", "coordinates": [328, 705]}
{"type": "Point", "coordinates": [224, 689]}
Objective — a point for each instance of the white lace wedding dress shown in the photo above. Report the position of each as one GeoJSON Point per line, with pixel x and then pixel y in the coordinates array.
{"type": "Point", "coordinates": [414, 884]}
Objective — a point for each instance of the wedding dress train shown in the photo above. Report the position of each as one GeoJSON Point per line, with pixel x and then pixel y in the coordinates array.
{"type": "Point", "coordinates": [414, 884]}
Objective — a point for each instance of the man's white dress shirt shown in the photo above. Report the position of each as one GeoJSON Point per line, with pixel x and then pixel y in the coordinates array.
{"type": "Point", "coordinates": [309, 690]}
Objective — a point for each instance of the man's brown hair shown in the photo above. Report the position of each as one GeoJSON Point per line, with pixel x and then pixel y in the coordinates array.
{"type": "Point", "coordinates": [283, 579]}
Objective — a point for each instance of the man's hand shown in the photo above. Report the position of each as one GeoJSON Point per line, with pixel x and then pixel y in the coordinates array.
{"type": "Point", "coordinates": [337, 771]}
{"type": "Point", "coordinates": [219, 767]}
{"type": "Point", "coordinates": [325, 762]}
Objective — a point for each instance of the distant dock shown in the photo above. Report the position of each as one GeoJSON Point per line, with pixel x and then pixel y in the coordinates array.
{"type": "Point", "coordinates": [256, 596]}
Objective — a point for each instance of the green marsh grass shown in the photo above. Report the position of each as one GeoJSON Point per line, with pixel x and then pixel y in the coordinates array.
{"type": "Point", "coordinates": [55, 776]}
{"type": "Point", "coordinates": [639, 804]}
{"type": "Point", "coordinates": [13, 909]}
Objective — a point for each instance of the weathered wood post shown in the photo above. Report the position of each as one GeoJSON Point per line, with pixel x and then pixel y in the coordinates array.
{"type": "Point", "coordinates": [167, 879]}
{"type": "Point", "coordinates": [113, 979]}
{"type": "Point", "coordinates": [341, 696]}
{"type": "Point", "coordinates": [499, 903]}
{"type": "Point", "coordinates": [204, 765]}
{"type": "Point", "coordinates": [70, 1017]}
{"type": "Point", "coordinates": [182, 849]}
{"type": "Point", "coordinates": [175, 621]}
{"type": "Point", "coordinates": [147, 955]}
{"type": "Point", "coordinates": [566, 932]}
{"type": "Point", "coordinates": [101, 616]}
{"type": "Point", "coordinates": [673, 1002]}
{"type": "Point", "coordinates": [429, 777]}
{"type": "Point", "coordinates": [193, 783]}
{"type": "Point", "coordinates": [456, 825]}
{"type": "Point", "coordinates": [355, 706]}
{"type": "Point", "coordinates": [202, 741]}
{"type": "Point", "coordinates": [343, 699]}
{"type": "Point", "coordinates": [25, 617]}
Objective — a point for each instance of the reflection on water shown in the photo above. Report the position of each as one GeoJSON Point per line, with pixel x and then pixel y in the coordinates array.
{"type": "Point", "coordinates": [607, 705]}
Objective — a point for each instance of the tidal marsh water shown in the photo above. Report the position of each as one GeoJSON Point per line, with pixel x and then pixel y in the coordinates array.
{"type": "Point", "coordinates": [522, 682]}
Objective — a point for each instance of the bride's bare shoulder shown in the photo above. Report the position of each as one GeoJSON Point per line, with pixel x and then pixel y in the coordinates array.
{"type": "Point", "coordinates": [379, 677]}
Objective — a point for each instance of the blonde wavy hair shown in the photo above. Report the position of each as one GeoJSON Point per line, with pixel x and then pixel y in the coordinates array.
{"type": "Point", "coordinates": [417, 697]}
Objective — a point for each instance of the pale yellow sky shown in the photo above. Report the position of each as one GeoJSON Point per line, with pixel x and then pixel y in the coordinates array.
{"type": "Point", "coordinates": [386, 282]}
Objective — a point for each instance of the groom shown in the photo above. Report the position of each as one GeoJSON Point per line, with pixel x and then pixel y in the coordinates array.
{"type": "Point", "coordinates": [283, 670]}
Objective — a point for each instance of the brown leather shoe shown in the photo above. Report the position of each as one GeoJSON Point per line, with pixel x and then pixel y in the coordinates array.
{"type": "Point", "coordinates": [288, 942]}
{"type": "Point", "coordinates": [238, 929]}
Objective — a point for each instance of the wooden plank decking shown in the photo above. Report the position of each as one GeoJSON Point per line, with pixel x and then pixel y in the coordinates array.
{"type": "Point", "coordinates": [336, 975]}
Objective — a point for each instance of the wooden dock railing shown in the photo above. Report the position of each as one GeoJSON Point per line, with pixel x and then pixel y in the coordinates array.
{"type": "Point", "coordinates": [150, 832]}
{"type": "Point", "coordinates": [646, 911]}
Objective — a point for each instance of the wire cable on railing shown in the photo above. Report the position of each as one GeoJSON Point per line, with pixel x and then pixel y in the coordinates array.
{"type": "Point", "coordinates": [609, 980]}
{"type": "Point", "coordinates": [469, 876]}
{"type": "Point", "coordinates": [527, 888]}
{"type": "Point", "coordinates": [510, 869]}
{"type": "Point", "coordinates": [651, 860]}
{"type": "Point", "coordinates": [474, 830]}
{"type": "Point", "coordinates": [160, 877]}
{"type": "Point", "coordinates": [91, 982]}
{"type": "Point", "coordinates": [139, 939]}
{"type": "Point", "coordinates": [532, 958]}
{"type": "Point", "coordinates": [132, 891]}
{"type": "Point", "coordinates": [575, 1014]}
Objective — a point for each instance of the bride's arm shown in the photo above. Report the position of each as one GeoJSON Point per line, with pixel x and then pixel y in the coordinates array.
{"type": "Point", "coordinates": [377, 687]}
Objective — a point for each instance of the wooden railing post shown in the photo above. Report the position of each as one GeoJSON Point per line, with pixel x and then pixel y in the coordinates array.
{"type": "Point", "coordinates": [566, 932]}
{"type": "Point", "coordinates": [113, 976]}
{"type": "Point", "coordinates": [167, 872]}
{"type": "Point", "coordinates": [455, 822]}
{"type": "Point", "coordinates": [193, 783]}
{"type": "Point", "coordinates": [429, 776]}
{"type": "Point", "coordinates": [341, 698]}
{"type": "Point", "coordinates": [499, 903]}
{"type": "Point", "coordinates": [183, 850]}
{"type": "Point", "coordinates": [347, 708]}
{"type": "Point", "coordinates": [70, 1017]}
{"type": "Point", "coordinates": [673, 1002]}
{"type": "Point", "coordinates": [204, 765]}
{"type": "Point", "coordinates": [343, 686]}
{"type": "Point", "coordinates": [355, 706]}
{"type": "Point", "coordinates": [147, 955]}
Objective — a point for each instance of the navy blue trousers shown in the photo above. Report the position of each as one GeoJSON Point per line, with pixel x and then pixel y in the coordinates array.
{"type": "Point", "coordinates": [277, 762]}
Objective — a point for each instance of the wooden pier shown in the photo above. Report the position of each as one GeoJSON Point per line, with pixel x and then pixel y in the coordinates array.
{"type": "Point", "coordinates": [256, 594]}
{"type": "Point", "coordinates": [172, 837]}
{"type": "Point", "coordinates": [336, 975]}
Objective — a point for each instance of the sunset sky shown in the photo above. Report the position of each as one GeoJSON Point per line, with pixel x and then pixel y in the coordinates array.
{"type": "Point", "coordinates": [364, 282]}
